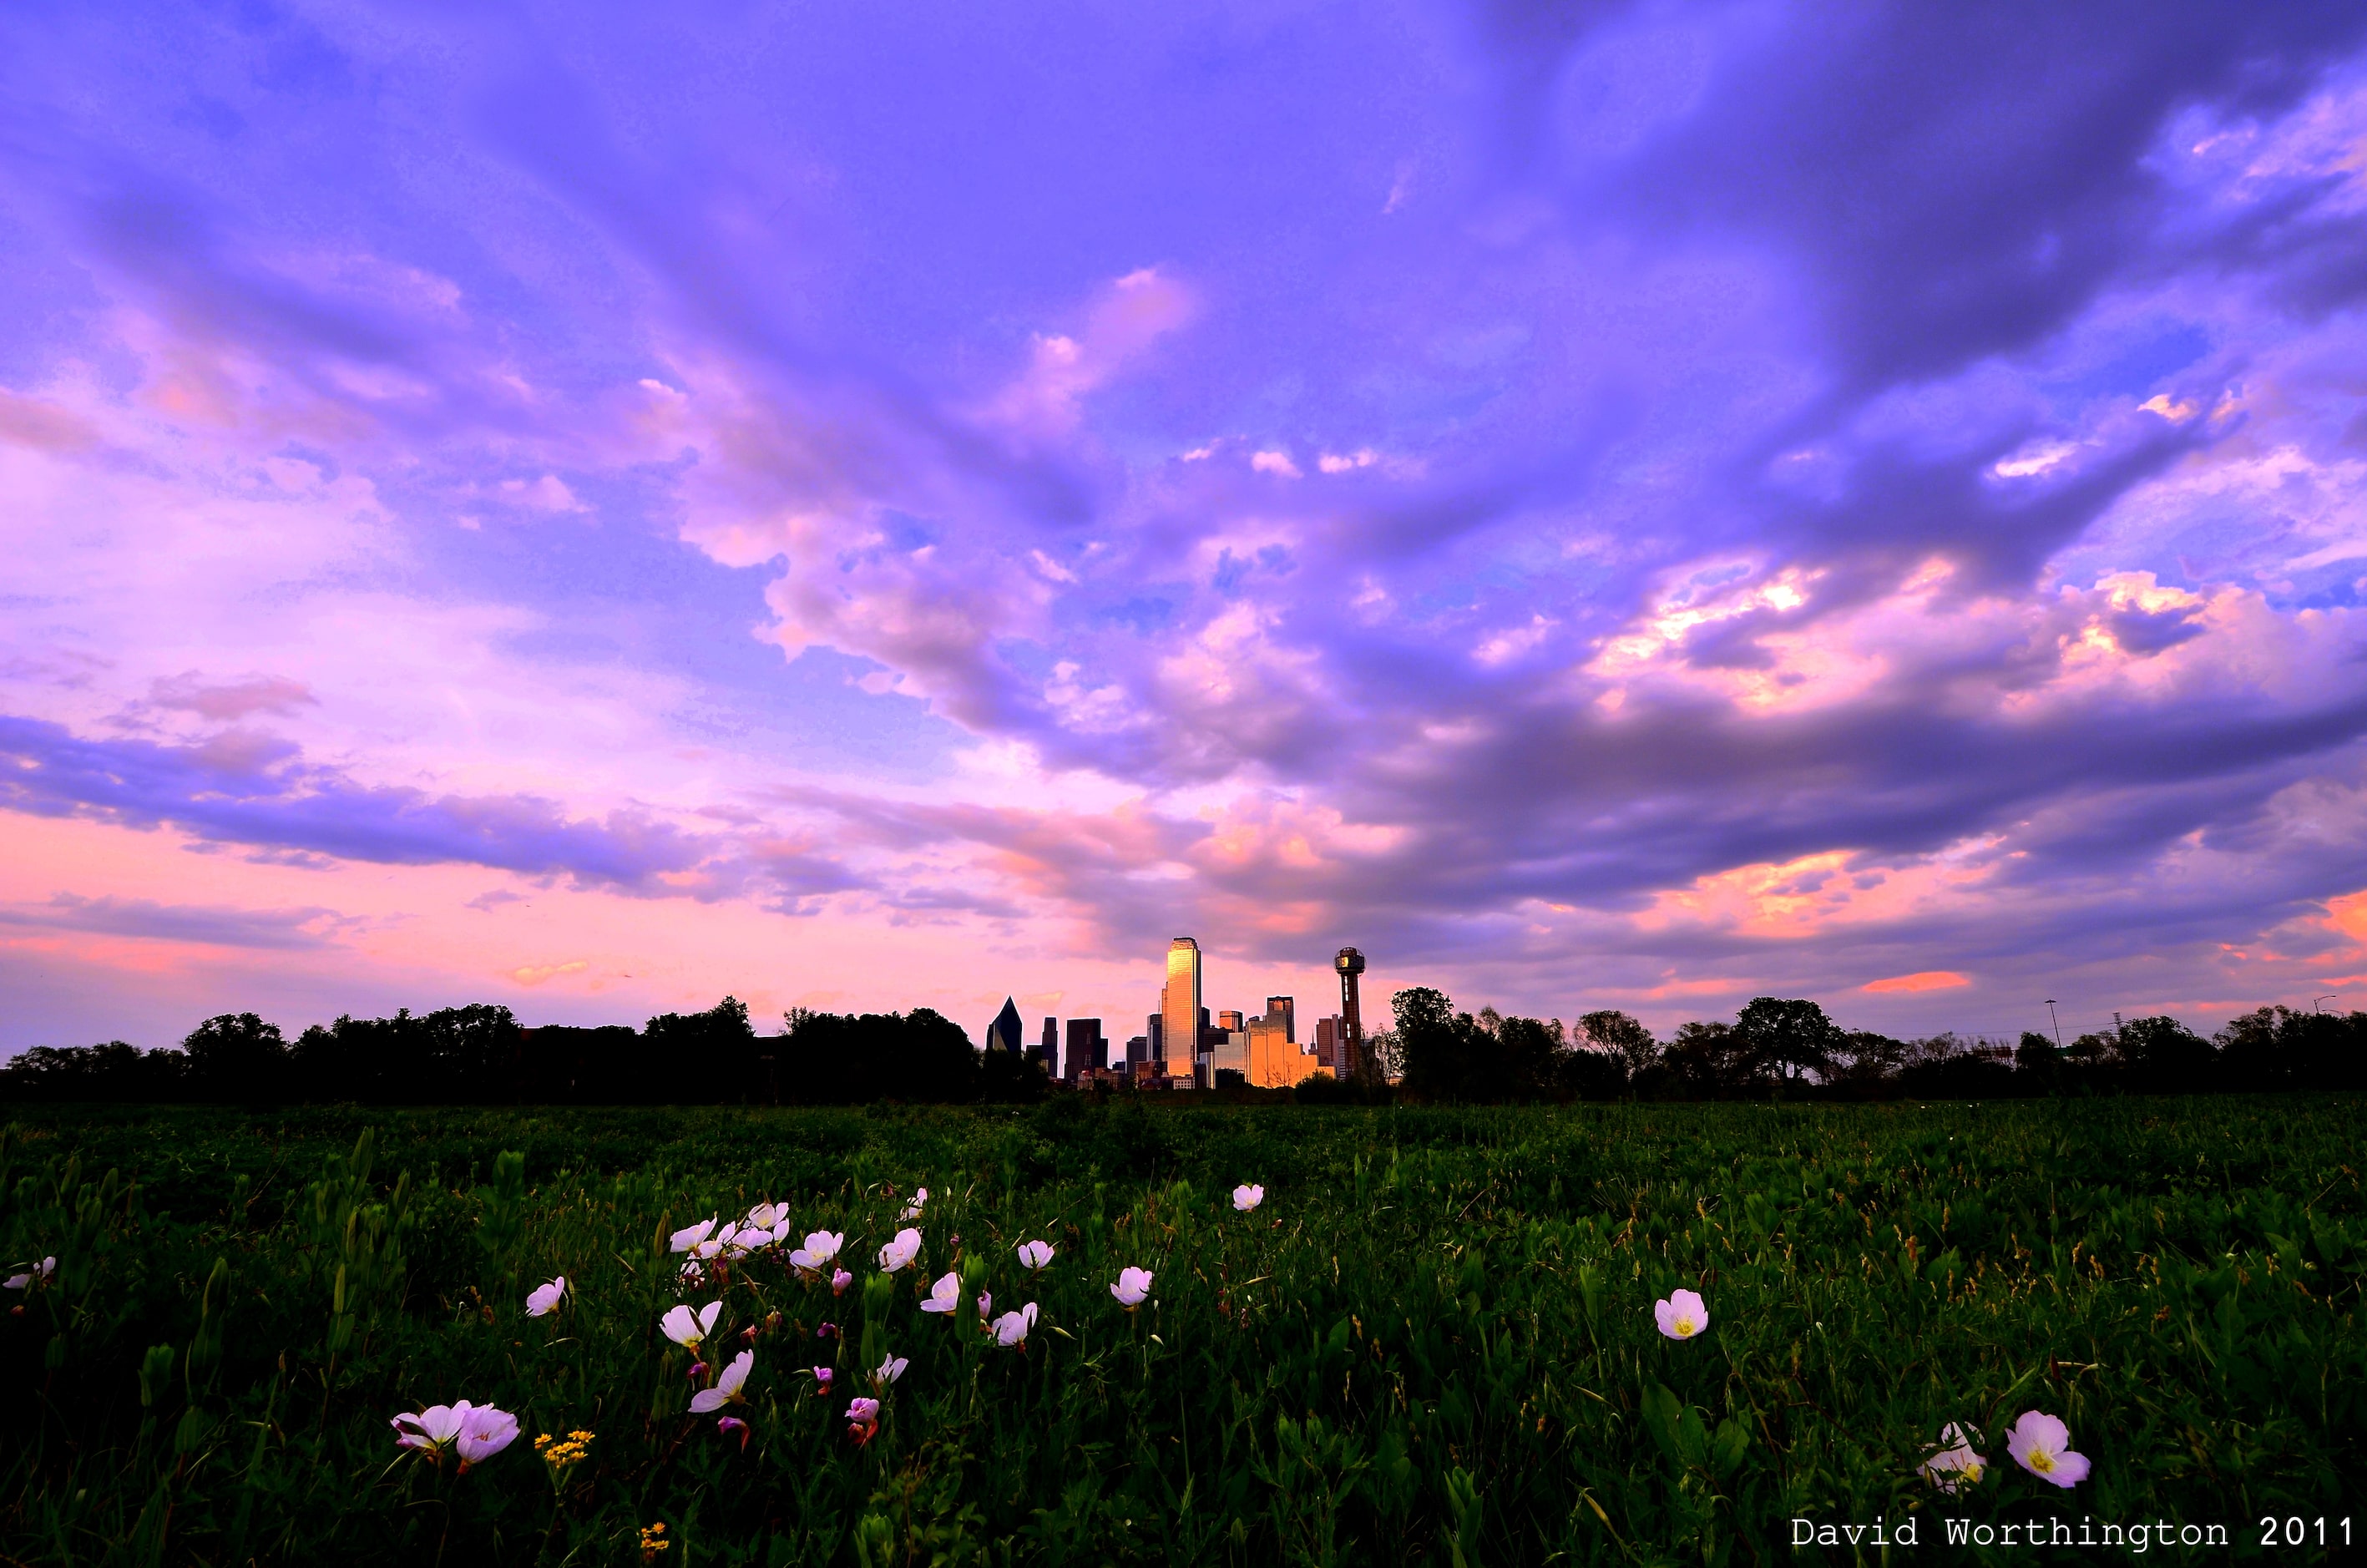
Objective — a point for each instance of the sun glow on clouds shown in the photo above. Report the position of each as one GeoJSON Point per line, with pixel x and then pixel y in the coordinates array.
{"type": "Point", "coordinates": [1926, 980]}
{"type": "Point", "coordinates": [1813, 894]}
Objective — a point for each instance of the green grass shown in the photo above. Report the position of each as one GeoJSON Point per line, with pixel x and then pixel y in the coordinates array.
{"type": "Point", "coordinates": [1432, 1344]}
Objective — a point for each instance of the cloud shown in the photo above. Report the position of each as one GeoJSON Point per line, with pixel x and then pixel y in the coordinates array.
{"type": "Point", "coordinates": [225, 702]}
{"type": "Point", "coordinates": [1926, 980]}
{"type": "Point", "coordinates": [207, 925]}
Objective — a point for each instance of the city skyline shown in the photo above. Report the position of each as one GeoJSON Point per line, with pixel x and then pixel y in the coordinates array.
{"type": "Point", "coordinates": [1629, 506]}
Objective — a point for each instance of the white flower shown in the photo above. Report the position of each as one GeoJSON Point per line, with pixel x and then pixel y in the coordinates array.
{"type": "Point", "coordinates": [34, 1273]}
{"type": "Point", "coordinates": [687, 1331]}
{"type": "Point", "coordinates": [1034, 1255]}
{"type": "Point", "coordinates": [543, 1299]}
{"type": "Point", "coordinates": [1133, 1288]}
{"type": "Point", "coordinates": [689, 1237]}
{"type": "Point", "coordinates": [1955, 1461]}
{"type": "Point", "coordinates": [1248, 1197]}
{"type": "Point", "coordinates": [899, 1253]}
{"type": "Point", "coordinates": [1010, 1328]}
{"type": "Point", "coordinates": [727, 1387]}
{"type": "Point", "coordinates": [765, 1216]}
{"type": "Point", "coordinates": [430, 1429]}
{"type": "Point", "coordinates": [945, 1295]}
{"type": "Point", "coordinates": [887, 1371]}
{"type": "Point", "coordinates": [820, 1248]}
{"type": "Point", "coordinates": [913, 1210]}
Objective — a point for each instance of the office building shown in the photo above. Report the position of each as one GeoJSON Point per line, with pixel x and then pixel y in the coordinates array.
{"type": "Point", "coordinates": [1288, 1008]}
{"type": "Point", "coordinates": [1327, 1042]}
{"type": "Point", "coordinates": [1004, 1033]}
{"type": "Point", "coordinates": [1087, 1049]}
{"type": "Point", "coordinates": [1275, 1060]}
{"type": "Point", "coordinates": [1180, 1014]}
{"type": "Point", "coordinates": [1229, 1020]}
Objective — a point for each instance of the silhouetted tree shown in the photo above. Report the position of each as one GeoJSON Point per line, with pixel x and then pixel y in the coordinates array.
{"type": "Point", "coordinates": [237, 1056]}
{"type": "Point", "coordinates": [1787, 1038]}
{"type": "Point", "coordinates": [1704, 1062]}
{"type": "Point", "coordinates": [2164, 1056]}
{"type": "Point", "coordinates": [1621, 1036]}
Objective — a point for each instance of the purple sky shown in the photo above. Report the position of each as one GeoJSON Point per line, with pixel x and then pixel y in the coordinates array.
{"type": "Point", "coordinates": [865, 507]}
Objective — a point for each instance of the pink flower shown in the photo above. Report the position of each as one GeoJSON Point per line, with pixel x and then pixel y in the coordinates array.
{"type": "Point", "coordinates": [35, 1274]}
{"type": "Point", "coordinates": [1955, 1462]}
{"type": "Point", "coordinates": [898, 1254]}
{"type": "Point", "coordinates": [1682, 1315]}
{"type": "Point", "coordinates": [827, 1331]}
{"type": "Point", "coordinates": [839, 1281]}
{"type": "Point", "coordinates": [1133, 1288]}
{"type": "Point", "coordinates": [727, 1387]}
{"type": "Point", "coordinates": [1248, 1197]}
{"type": "Point", "coordinates": [484, 1433]}
{"type": "Point", "coordinates": [2039, 1443]}
{"type": "Point", "coordinates": [945, 1295]}
{"type": "Point", "coordinates": [823, 1377]}
{"type": "Point", "coordinates": [887, 1371]}
{"type": "Point", "coordinates": [1010, 1328]}
{"type": "Point", "coordinates": [819, 1249]}
{"type": "Point", "coordinates": [1035, 1255]}
{"type": "Point", "coordinates": [863, 1420]}
{"type": "Point", "coordinates": [913, 1210]}
{"type": "Point", "coordinates": [688, 1238]}
{"type": "Point", "coordinates": [697, 1371]}
{"type": "Point", "coordinates": [687, 1330]}
{"type": "Point", "coordinates": [726, 1424]}
{"type": "Point", "coordinates": [985, 1305]}
{"type": "Point", "coordinates": [543, 1299]}
{"type": "Point", "coordinates": [430, 1430]}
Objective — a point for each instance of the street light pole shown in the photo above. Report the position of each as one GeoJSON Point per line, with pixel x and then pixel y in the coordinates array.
{"type": "Point", "coordinates": [2335, 997]}
{"type": "Point", "coordinates": [2058, 1023]}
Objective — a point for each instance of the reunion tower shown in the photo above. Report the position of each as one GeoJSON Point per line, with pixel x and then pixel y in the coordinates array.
{"type": "Point", "coordinates": [1350, 963]}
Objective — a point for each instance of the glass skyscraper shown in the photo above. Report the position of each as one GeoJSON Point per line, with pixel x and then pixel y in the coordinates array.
{"type": "Point", "coordinates": [1179, 1004]}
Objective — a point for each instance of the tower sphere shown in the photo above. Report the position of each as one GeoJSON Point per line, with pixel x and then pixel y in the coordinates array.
{"type": "Point", "coordinates": [1350, 961]}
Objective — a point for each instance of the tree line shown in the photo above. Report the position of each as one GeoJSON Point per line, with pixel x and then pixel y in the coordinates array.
{"type": "Point", "coordinates": [1788, 1046]}
{"type": "Point", "coordinates": [480, 1055]}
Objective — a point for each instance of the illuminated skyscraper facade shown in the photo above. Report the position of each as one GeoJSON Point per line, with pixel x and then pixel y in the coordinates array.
{"type": "Point", "coordinates": [1180, 1012]}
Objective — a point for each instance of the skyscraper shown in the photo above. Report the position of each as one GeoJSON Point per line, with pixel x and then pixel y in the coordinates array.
{"type": "Point", "coordinates": [1004, 1033]}
{"type": "Point", "coordinates": [1350, 963]}
{"type": "Point", "coordinates": [1288, 1008]}
{"type": "Point", "coordinates": [1276, 1062]}
{"type": "Point", "coordinates": [1180, 1012]}
{"type": "Point", "coordinates": [1086, 1047]}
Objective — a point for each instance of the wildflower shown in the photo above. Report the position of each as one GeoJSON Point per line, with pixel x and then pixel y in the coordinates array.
{"type": "Point", "coordinates": [693, 1274]}
{"type": "Point", "coordinates": [863, 1420]}
{"type": "Point", "coordinates": [35, 1274]}
{"type": "Point", "coordinates": [697, 1371]}
{"type": "Point", "coordinates": [913, 1210]}
{"type": "Point", "coordinates": [726, 1424]}
{"type": "Point", "coordinates": [1955, 1461]}
{"type": "Point", "coordinates": [483, 1433]}
{"type": "Point", "coordinates": [572, 1449]}
{"type": "Point", "coordinates": [1034, 1255]}
{"type": "Point", "coordinates": [430, 1430]}
{"type": "Point", "coordinates": [1132, 1288]}
{"type": "Point", "coordinates": [887, 1371]}
{"type": "Point", "coordinates": [839, 1281]}
{"type": "Point", "coordinates": [751, 1239]}
{"type": "Point", "coordinates": [1248, 1197]}
{"type": "Point", "coordinates": [827, 1331]}
{"type": "Point", "coordinates": [985, 1306]}
{"type": "Point", "coordinates": [653, 1541]}
{"type": "Point", "coordinates": [765, 1216]}
{"type": "Point", "coordinates": [1682, 1315]}
{"type": "Point", "coordinates": [820, 1248]}
{"type": "Point", "coordinates": [945, 1295]}
{"type": "Point", "coordinates": [543, 1299]}
{"type": "Point", "coordinates": [690, 1236]}
{"type": "Point", "coordinates": [727, 1387]}
{"type": "Point", "coordinates": [823, 1377]}
{"type": "Point", "coordinates": [685, 1330]}
{"type": "Point", "coordinates": [1010, 1328]}
{"type": "Point", "coordinates": [2038, 1444]}
{"type": "Point", "coordinates": [899, 1253]}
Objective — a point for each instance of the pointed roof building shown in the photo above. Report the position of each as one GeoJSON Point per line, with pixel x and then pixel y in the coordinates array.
{"type": "Point", "coordinates": [1004, 1033]}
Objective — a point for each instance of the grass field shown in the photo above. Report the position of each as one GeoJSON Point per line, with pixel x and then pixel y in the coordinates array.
{"type": "Point", "coordinates": [1433, 1342]}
